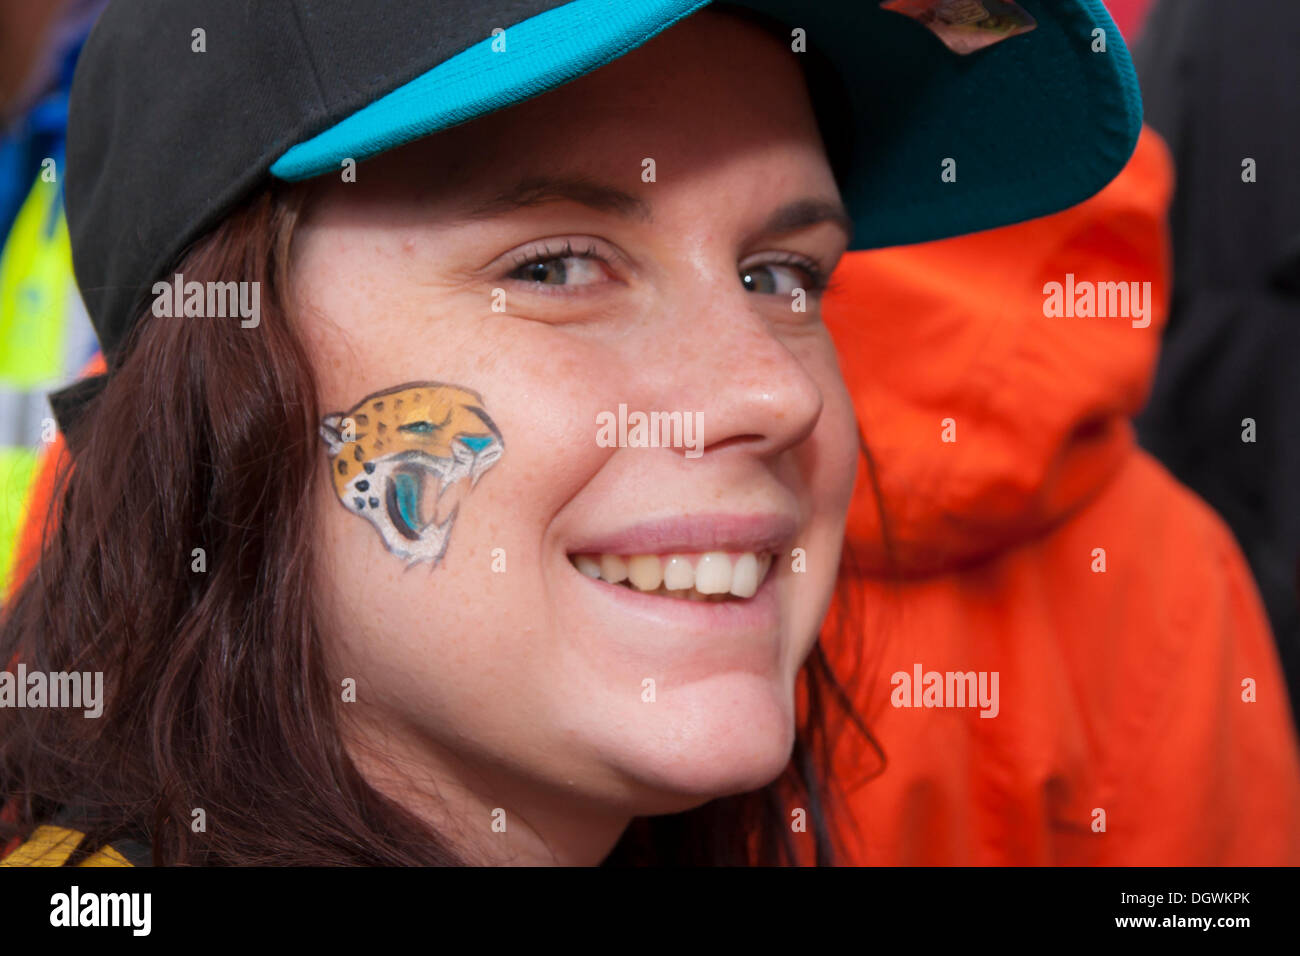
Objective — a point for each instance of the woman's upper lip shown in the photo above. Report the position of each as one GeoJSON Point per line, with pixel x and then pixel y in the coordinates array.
{"type": "Point", "coordinates": [693, 533]}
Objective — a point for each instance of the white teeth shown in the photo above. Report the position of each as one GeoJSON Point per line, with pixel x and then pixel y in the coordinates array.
{"type": "Point", "coordinates": [587, 565]}
{"type": "Point", "coordinates": [645, 572]}
{"type": "Point", "coordinates": [711, 576]}
{"type": "Point", "coordinates": [678, 573]}
{"type": "Point", "coordinates": [613, 568]}
{"type": "Point", "coordinates": [713, 573]}
{"type": "Point", "coordinates": [744, 576]}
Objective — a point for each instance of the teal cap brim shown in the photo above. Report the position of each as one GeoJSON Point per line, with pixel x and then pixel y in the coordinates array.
{"type": "Point", "coordinates": [941, 143]}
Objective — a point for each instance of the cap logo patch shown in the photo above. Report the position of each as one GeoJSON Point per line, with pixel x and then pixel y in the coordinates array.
{"type": "Point", "coordinates": [965, 26]}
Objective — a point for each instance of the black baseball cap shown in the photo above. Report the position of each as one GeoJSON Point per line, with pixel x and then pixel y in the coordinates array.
{"type": "Point", "coordinates": [181, 108]}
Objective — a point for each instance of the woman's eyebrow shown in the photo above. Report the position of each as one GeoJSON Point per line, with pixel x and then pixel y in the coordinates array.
{"type": "Point", "coordinates": [539, 190]}
{"type": "Point", "coordinates": [803, 213]}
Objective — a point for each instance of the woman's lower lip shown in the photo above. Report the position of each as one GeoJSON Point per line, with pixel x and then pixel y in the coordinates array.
{"type": "Point", "coordinates": [741, 616]}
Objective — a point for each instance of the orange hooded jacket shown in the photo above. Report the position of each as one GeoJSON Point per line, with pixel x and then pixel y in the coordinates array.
{"type": "Point", "coordinates": [1141, 714]}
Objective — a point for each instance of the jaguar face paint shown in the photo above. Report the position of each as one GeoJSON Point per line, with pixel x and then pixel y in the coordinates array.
{"type": "Point", "coordinates": [401, 459]}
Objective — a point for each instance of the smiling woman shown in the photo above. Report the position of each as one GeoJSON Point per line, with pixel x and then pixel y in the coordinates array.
{"type": "Point", "coordinates": [443, 622]}
{"type": "Point", "coordinates": [666, 294]}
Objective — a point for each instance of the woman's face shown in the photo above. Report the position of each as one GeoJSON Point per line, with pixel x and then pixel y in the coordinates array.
{"type": "Point", "coordinates": [628, 242]}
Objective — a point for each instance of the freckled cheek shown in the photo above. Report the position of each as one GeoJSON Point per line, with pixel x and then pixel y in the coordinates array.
{"type": "Point", "coordinates": [834, 453]}
{"type": "Point", "coordinates": [550, 455]}
{"type": "Point", "coordinates": [344, 595]}
{"type": "Point", "coordinates": [348, 562]}
{"type": "Point", "coordinates": [547, 408]}
{"type": "Point", "coordinates": [383, 621]}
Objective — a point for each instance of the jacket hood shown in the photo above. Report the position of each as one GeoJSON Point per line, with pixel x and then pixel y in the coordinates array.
{"type": "Point", "coordinates": [994, 405]}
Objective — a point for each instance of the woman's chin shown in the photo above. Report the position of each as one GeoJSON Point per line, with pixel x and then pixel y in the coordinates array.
{"type": "Point", "coordinates": [695, 747]}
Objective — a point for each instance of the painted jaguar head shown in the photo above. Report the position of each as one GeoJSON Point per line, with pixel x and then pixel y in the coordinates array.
{"type": "Point", "coordinates": [403, 459]}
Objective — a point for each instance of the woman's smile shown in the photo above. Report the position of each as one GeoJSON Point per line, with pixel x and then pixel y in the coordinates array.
{"type": "Point", "coordinates": [712, 557]}
{"type": "Point", "coordinates": [709, 576]}
{"type": "Point", "coordinates": [713, 615]}
{"type": "Point", "coordinates": [705, 573]}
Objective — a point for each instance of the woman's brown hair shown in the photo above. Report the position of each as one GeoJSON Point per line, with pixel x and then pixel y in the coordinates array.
{"type": "Point", "coordinates": [216, 695]}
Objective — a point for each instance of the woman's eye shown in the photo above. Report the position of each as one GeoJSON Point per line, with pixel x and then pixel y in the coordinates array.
{"type": "Point", "coordinates": [774, 279]}
{"type": "Point", "coordinates": [569, 270]}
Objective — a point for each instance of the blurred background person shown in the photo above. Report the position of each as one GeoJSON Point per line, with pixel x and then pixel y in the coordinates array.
{"type": "Point", "coordinates": [1220, 84]}
{"type": "Point", "coordinates": [1020, 536]}
{"type": "Point", "coordinates": [45, 335]}
{"type": "Point", "coordinates": [1015, 528]}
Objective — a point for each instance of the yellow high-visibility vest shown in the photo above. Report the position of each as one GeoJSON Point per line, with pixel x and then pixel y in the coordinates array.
{"type": "Point", "coordinates": [52, 845]}
{"type": "Point", "coordinates": [45, 336]}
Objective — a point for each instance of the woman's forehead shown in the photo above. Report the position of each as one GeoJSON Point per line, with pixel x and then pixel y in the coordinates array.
{"type": "Point", "coordinates": [713, 92]}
